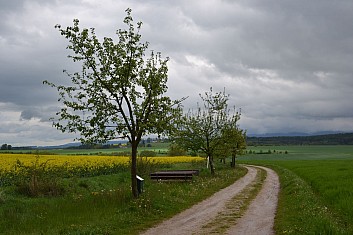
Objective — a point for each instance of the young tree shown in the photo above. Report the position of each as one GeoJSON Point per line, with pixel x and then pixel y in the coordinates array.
{"type": "Point", "coordinates": [4, 147]}
{"type": "Point", "coordinates": [234, 141]}
{"type": "Point", "coordinates": [202, 130]}
{"type": "Point", "coordinates": [119, 93]}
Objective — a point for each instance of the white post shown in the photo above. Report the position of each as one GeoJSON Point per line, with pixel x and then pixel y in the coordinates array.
{"type": "Point", "coordinates": [208, 161]}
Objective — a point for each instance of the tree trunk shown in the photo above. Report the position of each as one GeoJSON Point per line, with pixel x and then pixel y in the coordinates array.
{"type": "Point", "coordinates": [134, 146]}
{"type": "Point", "coordinates": [234, 155]}
{"type": "Point", "coordinates": [211, 165]}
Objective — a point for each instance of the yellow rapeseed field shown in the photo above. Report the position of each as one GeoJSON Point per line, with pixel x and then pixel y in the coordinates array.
{"type": "Point", "coordinates": [14, 166]}
{"type": "Point", "coordinates": [8, 161]}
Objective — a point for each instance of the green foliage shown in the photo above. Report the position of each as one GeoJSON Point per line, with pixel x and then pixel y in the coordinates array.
{"type": "Point", "coordinates": [234, 142]}
{"type": "Point", "coordinates": [146, 165]}
{"type": "Point", "coordinates": [119, 93]}
{"type": "Point", "coordinates": [148, 153]}
{"type": "Point", "coordinates": [125, 153]}
{"type": "Point", "coordinates": [176, 150]}
{"type": "Point", "coordinates": [35, 180]}
{"type": "Point", "coordinates": [6, 147]}
{"type": "Point", "coordinates": [2, 197]}
{"type": "Point", "coordinates": [205, 129]}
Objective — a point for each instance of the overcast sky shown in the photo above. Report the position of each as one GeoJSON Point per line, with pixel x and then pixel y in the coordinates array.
{"type": "Point", "coordinates": [287, 64]}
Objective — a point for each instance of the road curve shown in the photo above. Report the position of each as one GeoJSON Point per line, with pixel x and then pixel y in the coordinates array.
{"type": "Point", "coordinates": [191, 220]}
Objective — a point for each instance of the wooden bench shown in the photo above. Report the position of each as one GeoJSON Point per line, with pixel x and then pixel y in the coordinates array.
{"type": "Point", "coordinates": [174, 175]}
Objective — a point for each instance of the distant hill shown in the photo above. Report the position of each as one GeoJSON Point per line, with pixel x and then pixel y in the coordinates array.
{"type": "Point", "coordinates": [325, 139]}
{"type": "Point", "coordinates": [295, 134]}
{"type": "Point", "coordinates": [78, 145]}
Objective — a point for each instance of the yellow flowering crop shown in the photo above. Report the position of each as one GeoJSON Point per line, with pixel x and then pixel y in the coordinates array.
{"type": "Point", "coordinates": [7, 161]}
{"type": "Point", "coordinates": [68, 165]}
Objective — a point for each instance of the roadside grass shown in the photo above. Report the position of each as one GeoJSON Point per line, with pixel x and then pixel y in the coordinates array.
{"type": "Point", "coordinates": [103, 204]}
{"type": "Point", "coordinates": [316, 192]}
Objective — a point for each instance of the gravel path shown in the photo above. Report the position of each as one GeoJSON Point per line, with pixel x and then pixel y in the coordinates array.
{"type": "Point", "coordinates": [258, 219]}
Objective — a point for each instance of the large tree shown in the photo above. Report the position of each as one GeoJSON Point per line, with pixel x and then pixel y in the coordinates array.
{"type": "Point", "coordinates": [119, 92]}
{"type": "Point", "coordinates": [203, 130]}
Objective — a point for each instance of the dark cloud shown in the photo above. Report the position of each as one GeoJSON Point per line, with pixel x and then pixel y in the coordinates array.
{"type": "Point", "coordinates": [29, 114]}
{"type": "Point", "coordinates": [287, 64]}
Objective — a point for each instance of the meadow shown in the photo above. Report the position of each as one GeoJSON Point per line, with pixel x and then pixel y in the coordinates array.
{"type": "Point", "coordinates": [316, 187]}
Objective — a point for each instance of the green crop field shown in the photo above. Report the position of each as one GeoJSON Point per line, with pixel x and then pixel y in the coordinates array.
{"type": "Point", "coordinates": [316, 187]}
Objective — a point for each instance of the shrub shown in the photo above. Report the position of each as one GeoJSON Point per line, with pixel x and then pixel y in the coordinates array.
{"type": "Point", "coordinates": [175, 150]}
{"type": "Point", "coordinates": [148, 153]}
{"type": "Point", "coordinates": [2, 197]}
{"type": "Point", "coordinates": [36, 180]}
{"type": "Point", "coordinates": [125, 153]}
{"type": "Point", "coordinates": [146, 165]}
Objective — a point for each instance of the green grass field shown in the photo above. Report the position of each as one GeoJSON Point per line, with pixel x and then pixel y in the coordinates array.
{"type": "Point", "coordinates": [316, 187]}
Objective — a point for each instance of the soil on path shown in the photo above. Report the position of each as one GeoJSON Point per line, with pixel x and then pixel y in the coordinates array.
{"type": "Point", "coordinates": [258, 219]}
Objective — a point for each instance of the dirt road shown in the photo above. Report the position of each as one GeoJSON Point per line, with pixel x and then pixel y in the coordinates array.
{"type": "Point", "coordinates": [258, 219]}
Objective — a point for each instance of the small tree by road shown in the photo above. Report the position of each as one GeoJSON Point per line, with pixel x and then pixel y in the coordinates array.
{"type": "Point", "coordinates": [234, 142]}
{"type": "Point", "coordinates": [204, 130]}
{"type": "Point", "coordinates": [119, 93]}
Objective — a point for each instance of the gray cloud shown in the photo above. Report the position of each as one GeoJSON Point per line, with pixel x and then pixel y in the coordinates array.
{"type": "Point", "coordinates": [287, 64]}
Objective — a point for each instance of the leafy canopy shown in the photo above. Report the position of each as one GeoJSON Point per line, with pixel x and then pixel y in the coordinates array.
{"type": "Point", "coordinates": [119, 92]}
{"type": "Point", "coordinates": [206, 129]}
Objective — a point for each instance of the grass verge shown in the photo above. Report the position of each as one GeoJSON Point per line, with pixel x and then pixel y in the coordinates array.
{"type": "Point", "coordinates": [301, 211]}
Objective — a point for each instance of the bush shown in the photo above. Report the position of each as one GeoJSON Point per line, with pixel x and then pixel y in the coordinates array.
{"type": "Point", "coordinates": [125, 154]}
{"type": "Point", "coordinates": [146, 165]}
{"type": "Point", "coordinates": [36, 180]}
{"type": "Point", "coordinates": [2, 197]}
{"type": "Point", "coordinates": [148, 153]}
{"type": "Point", "coordinates": [175, 150]}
